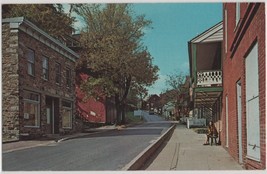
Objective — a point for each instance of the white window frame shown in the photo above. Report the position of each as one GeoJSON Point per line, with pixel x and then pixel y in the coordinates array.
{"type": "Point", "coordinates": [37, 121]}
{"type": "Point", "coordinates": [237, 13]}
{"type": "Point", "coordinates": [225, 29]}
{"type": "Point", "coordinates": [30, 63]}
{"type": "Point", "coordinates": [65, 108]}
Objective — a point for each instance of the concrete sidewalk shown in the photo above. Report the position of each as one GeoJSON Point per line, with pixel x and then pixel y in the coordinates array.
{"type": "Point", "coordinates": [25, 144]}
{"type": "Point", "coordinates": [185, 151]}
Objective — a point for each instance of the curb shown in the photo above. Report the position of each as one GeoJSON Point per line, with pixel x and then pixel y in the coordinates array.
{"type": "Point", "coordinates": [142, 157]}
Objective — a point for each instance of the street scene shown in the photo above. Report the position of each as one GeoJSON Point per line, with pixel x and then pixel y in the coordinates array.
{"type": "Point", "coordinates": [168, 86]}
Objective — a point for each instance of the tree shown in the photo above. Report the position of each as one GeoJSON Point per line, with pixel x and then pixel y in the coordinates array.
{"type": "Point", "coordinates": [175, 83]}
{"type": "Point", "coordinates": [114, 53]}
{"type": "Point", "coordinates": [49, 17]}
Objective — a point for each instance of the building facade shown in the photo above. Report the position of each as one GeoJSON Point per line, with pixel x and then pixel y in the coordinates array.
{"type": "Point", "coordinates": [38, 82]}
{"type": "Point", "coordinates": [243, 102]}
{"type": "Point", "coordinates": [100, 110]}
{"type": "Point", "coordinates": [205, 59]}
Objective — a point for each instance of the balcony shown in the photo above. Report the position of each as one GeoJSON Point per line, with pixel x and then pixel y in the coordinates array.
{"type": "Point", "coordinates": [209, 78]}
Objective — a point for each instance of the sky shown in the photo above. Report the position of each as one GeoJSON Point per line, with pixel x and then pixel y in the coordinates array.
{"type": "Point", "coordinates": [173, 25]}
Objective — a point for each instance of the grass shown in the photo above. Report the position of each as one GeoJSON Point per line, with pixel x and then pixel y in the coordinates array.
{"type": "Point", "coordinates": [201, 130]}
{"type": "Point", "coordinates": [130, 118]}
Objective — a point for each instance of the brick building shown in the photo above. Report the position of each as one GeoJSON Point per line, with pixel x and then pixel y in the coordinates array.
{"type": "Point", "coordinates": [37, 80]}
{"type": "Point", "coordinates": [205, 60]}
{"type": "Point", "coordinates": [243, 102]}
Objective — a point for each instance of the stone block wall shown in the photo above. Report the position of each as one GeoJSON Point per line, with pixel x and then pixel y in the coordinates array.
{"type": "Point", "coordinates": [10, 84]}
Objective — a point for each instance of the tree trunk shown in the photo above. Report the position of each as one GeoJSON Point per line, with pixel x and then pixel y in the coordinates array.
{"type": "Point", "coordinates": [123, 113]}
{"type": "Point", "coordinates": [118, 109]}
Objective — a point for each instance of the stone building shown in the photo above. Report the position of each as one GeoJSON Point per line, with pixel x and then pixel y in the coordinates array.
{"type": "Point", "coordinates": [37, 80]}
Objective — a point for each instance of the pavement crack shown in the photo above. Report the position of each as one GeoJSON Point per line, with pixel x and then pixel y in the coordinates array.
{"type": "Point", "coordinates": [175, 157]}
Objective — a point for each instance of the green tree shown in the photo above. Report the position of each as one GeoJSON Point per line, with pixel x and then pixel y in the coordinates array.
{"type": "Point", "coordinates": [114, 53]}
{"type": "Point", "coordinates": [49, 17]}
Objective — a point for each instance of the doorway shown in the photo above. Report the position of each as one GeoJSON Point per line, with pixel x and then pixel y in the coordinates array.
{"type": "Point", "coordinates": [52, 115]}
{"type": "Point", "coordinates": [239, 119]}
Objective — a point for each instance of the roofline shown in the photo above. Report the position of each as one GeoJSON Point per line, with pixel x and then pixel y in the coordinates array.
{"type": "Point", "coordinates": [206, 31]}
{"type": "Point", "coordinates": [17, 22]}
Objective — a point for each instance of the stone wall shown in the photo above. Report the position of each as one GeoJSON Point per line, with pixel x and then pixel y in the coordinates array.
{"type": "Point", "coordinates": [10, 84]}
{"type": "Point", "coordinates": [16, 81]}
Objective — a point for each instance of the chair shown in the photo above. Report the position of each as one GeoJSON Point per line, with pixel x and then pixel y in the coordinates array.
{"type": "Point", "coordinates": [213, 138]}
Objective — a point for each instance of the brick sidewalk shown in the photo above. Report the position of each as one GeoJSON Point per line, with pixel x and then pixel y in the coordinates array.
{"type": "Point", "coordinates": [185, 151]}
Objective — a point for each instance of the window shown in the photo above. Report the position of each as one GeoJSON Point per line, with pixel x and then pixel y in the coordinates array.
{"type": "Point", "coordinates": [225, 29]}
{"type": "Point", "coordinates": [45, 68]}
{"type": "Point", "coordinates": [237, 14]}
{"type": "Point", "coordinates": [68, 77]}
{"type": "Point", "coordinates": [67, 114]}
{"type": "Point", "coordinates": [252, 105]}
{"type": "Point", "coordinates": [31, 109]}
{"type": "Point", "coordinates": [58, 75]}
{"type": "Point", "coordinates": [30, 62]}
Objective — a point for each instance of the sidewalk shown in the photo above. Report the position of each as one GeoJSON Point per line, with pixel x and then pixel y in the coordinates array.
{"type": "Point", "coordinates": [19, 145]}
{"type": "Point", "coordinates": [185, 151]}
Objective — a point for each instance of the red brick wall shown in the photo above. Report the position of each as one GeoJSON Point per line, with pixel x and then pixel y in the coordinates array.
{"type": "Point", "coordinates": [85, 107]}
{"type": "Point", "coordinates": [234, 70]}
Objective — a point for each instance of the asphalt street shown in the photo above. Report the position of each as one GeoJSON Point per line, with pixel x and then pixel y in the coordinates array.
{"type": "Point", "coordinates": [110, 150]}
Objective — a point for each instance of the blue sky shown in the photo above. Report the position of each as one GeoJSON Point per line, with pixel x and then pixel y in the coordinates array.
{"type": "Point", "coordinates": [174, 24]}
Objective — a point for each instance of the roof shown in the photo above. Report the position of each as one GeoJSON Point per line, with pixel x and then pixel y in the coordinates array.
{"type": "Point", "coordinates": [215, 33]}
{"type": "Point", "coordinates": [31, 29]}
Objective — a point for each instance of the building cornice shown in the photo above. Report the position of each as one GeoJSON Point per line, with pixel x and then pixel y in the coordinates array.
{"type": "Point", "coordinates": [28, 27]}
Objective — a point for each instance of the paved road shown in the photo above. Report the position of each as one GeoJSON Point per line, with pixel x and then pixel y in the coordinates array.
{"type": "Point", "coordinates": [110, 150]}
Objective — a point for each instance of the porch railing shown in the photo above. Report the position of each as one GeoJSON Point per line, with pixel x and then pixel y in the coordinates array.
{"type": "Point", "coordinates": [207, 78]}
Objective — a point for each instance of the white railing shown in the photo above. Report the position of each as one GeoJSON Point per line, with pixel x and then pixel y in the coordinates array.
{"type": "Point", "coordinates": [207, 78]}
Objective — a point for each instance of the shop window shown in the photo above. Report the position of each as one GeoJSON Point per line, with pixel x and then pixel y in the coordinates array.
{"type": "Point", "coordinates": [31, 109]}
{"type": "Point", "coordinates": [67, 114]}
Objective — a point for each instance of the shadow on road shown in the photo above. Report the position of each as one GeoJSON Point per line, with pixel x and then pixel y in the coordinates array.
{"type": "Point", "coordinates": [144, 129]}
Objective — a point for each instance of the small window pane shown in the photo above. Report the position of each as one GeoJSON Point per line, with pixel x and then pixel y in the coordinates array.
{"type": "Point", "coordinates": [45, 68]}
{"type": "Point", "coordinates": [30, 59]}
{"type": "Point", "coordinates": [66, 119]}
{"type": "Point", "coordinates": [58, 71]}
{"type": "Point", "coordinates": [68, 77]}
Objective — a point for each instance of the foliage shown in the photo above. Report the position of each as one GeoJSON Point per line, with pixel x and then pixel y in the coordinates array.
{"type": "Point", "coordinates": [114, 52]}
{"type": "Point", "coordinates": [49, 17]}
{"type": "Point", "coordinates": [175, 83]}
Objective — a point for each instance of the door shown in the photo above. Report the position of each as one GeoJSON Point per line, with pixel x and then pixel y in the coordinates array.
{"type": "Point", "coordinates": [49, 114]}
{"type": "Point", "coordinates": [52, 115]}
{"type": "Point", "coordinates": [56, 115]}
{"type": "Point", "coordinates": [226, 122]}
{"type": "Point", "coordinates": [239, 120]}
{"type": "Point", "coordinates": [252, 104]}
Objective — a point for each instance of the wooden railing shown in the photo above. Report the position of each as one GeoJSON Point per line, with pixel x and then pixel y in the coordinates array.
{"type": "Point", "coordinates": [208, 78]}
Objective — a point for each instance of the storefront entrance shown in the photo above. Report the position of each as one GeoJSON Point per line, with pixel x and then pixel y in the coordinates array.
{"type": "Point", "coordinates": [52, 115]}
